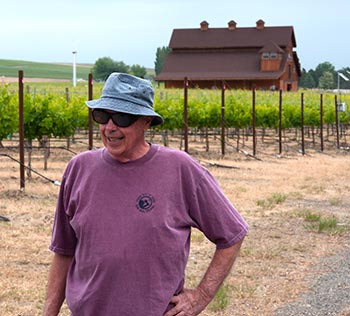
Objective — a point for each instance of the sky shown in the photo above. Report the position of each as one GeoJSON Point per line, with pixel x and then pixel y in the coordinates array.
{"type": "Point", "coordinates": [131, 31]}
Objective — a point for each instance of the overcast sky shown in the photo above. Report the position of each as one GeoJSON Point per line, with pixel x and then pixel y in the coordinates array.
{"type": "Point", "coordinates": [131, 31]}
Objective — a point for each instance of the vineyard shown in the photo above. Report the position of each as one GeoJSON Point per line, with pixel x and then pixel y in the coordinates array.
{"type": "Point", "coordinates": [278, 123]}
{"type": "Point", "coordinates": [284, 208]}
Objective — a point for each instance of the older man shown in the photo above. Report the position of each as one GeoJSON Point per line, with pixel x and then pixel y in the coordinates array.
{"type": "Point", "coordinates": [121, 235]}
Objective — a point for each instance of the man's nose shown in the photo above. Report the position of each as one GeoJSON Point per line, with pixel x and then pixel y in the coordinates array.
{"type": "Point", "coordinates": [110, 124]}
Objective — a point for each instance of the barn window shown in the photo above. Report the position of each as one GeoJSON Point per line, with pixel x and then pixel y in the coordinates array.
{"type": "Point", "coordinates": [273, 55]}
{"type": "Point", "coordinates": [265, 55]}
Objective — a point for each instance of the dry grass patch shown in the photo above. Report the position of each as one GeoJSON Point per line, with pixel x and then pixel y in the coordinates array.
{"type": "Point", "coordinates": [275, 195]}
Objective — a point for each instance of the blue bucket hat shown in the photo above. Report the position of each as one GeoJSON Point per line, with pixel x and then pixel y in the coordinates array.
{"type": "Point", "coordinates": [127, 94]}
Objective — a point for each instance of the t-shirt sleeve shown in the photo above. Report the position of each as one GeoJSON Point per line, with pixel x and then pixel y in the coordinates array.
{"type": "Point", "coordinates": [63, 240]}
{"type": "Point", "coordinates": [215, 215]}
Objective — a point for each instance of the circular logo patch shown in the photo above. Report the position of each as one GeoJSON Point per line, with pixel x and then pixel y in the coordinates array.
{"type": "Point", "coordinates": [145, 203]}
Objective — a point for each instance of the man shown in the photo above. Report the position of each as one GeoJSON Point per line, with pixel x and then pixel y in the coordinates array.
{"type": "Point", "coordinates": [121, 235]}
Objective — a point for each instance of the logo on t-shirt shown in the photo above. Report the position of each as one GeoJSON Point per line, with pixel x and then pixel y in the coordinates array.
{"type": "Point", "coordinates": [145, 203]}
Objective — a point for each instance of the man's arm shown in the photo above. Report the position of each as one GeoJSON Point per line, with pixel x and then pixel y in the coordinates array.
{"type": "Point", "coordinates": [56, 284]}
{"type": "Point", "coordinates": [192, 301]}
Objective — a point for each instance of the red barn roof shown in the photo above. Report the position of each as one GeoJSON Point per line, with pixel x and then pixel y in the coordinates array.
{"type": "Point", "coordinates": [230, 53]}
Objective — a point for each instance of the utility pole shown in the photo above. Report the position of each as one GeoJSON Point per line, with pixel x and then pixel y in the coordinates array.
{"type": "Point", "coordinates": [74, 69]}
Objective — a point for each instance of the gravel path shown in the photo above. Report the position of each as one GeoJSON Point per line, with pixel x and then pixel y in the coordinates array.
{"type": "Point", "coordinates": [329, 295]}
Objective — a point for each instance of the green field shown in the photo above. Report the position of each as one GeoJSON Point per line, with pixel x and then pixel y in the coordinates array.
{"type": "Point", "coordinates": [10, 68]}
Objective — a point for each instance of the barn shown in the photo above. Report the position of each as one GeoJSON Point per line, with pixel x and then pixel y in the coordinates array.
{"type": "Point", "coordinates": [257, 57]}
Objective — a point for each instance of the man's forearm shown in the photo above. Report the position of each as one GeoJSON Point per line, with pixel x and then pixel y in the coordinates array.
{"type": "Point", "coordinates": [218, 270]}
{"type": "Point", "coordinates": [56, 284]}
{"type": "Point", "coordinates": [191, 302]}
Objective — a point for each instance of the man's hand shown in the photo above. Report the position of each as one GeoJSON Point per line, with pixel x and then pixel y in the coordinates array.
{"type": "Point", "coordinates": [190, 302]}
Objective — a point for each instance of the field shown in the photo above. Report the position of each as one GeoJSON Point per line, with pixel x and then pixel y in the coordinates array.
{"type": "Point", "coordinates": [297, 207]}
{"type": "Point", "coordinates": [10, 68]}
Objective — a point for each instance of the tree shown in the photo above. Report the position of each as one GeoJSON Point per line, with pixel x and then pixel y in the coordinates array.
{"type": "Point", "coordinates": [162, 53]}
{"type": "Point", "coordinates": [105, 66]}
{"type": "Point", "coordinates": [138, 71]}
{"type": "Point", "coordinates": [321, 69]}
{"type": "Point", "coordinates": [306, 80]}
{"type": "Point", "coordinates": [326, 81]}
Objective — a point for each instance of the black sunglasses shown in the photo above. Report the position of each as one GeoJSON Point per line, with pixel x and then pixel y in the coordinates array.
{"type": "Point", "coordinates": [118, 118]}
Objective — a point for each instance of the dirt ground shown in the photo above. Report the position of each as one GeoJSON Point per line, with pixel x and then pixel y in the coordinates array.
{"type": "Point", "coordinates": [282, 198]}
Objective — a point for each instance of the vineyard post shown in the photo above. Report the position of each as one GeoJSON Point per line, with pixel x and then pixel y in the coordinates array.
{"type": "Point", "coordinates": [21, 128]}
{"type": "Point", "coordinates": [321, 120]}
{"type": "Point", "coordinates": [90, 95]}
{"type": "Point", "coordinates": [280, 124]}
{"type": "Point", "coordinates": [223, 88]}
{"type": "Point", "coordinates": [185, 114]}
{"type": "Point", "coordinates": [302, 125]}
{"type": "Point", "coordinates": [254, 121]}
{"type": "Point", "coordinates": [67, 95]}
{"type": "Point", "coordinates": [336, 119]}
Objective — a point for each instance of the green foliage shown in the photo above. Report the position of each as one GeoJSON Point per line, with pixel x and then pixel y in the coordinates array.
{"type": "Point", "coordinates": [306, 80]}
{"type": "Point", "coordinates": [105, 66]}
{"type": "Point", "coordinates": [221, 299]}
{"type": "Point", "coordinates": [138, 71]}
{"type": "Point", "coordinates": [52, 116]}
{"type": "Point", "coordinates": [321, 224]}
{"type": "Point", "coordinates": [161, 55]}
{"type": "Point", "coordinates": [321, 69]}
{"type": "Point", "coordinates": [47, 112]}
{"type": "Point", "coordinates": [326, 81]}
{"type": "Point", "coordinates": [272, 201]}
{"type": "Point", "coordinates": [324, 77]}
{"type": "Point", "coordinates": [8, 113]}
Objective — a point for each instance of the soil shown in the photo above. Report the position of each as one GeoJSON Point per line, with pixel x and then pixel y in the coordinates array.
{"type": "Point", "coordinates": [283, 198]}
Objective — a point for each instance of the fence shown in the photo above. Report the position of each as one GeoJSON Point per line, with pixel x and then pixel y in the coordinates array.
{"type": "Point", "coordinates": [243, 140]}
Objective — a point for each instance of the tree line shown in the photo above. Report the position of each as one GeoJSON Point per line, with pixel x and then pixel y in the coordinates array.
{"type": "Point", "coordinates": [106, 65]}
{"type": "Point", "coordinates": [324, 76]}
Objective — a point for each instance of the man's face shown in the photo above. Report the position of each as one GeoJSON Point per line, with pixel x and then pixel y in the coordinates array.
{"type": "Point", "coordinates": [125, 143]}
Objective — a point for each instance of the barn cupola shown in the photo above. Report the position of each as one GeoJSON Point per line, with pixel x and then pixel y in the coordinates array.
{"type": "Point", "coordinates": [260, 24]}
{"type": "Point", "coordinates": [232, 25]}
{"type": "Point", "coordinates": [204, 26]}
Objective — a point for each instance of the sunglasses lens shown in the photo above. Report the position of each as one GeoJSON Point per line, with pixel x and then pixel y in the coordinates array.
{"type": "Point", "coordinates": [100, 117]}
{"type": "Point", "coordinates": [123, 119]}
{"type": "Point", "coordinates": [119, 119]}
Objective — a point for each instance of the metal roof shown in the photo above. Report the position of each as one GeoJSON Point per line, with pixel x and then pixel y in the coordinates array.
{"type": "Point", "coordinates": [237, 38]}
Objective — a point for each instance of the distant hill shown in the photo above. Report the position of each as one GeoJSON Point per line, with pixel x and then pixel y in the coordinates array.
{"type": "Point", "coordinates": [10, 68]}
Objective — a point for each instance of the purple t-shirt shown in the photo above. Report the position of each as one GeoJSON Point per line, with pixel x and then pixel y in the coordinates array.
{"type": "Point", "coordinates": [128, 227]}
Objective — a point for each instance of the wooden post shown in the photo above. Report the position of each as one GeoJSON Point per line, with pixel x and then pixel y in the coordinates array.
{"type": "Point", "coordinates": [337, 119]}
{"type": "Point", "coordinates": [91, 127]}
{"type": "Point", "coordinates": [280, 124]}
{"type": "Point", "coordinates": [302, 125]}
{"type": "Point", "coordinates": [223, 88]}
{"type": "Point", "coordinates": [254, 121]}
{"type": "Point", "coordinates": [67, 95]}
{"type": "Point", "coordinates": [186, 114]}
{"type": "Point", "coordinates": [21, 128]}
{"type": "Point", "coordinates": [321, 120]}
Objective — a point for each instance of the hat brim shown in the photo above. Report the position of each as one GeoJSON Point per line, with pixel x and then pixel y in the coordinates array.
{"type": "Point", "coordinates": [124, 106]}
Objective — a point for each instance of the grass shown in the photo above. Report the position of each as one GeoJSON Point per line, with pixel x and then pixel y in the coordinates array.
{"type": "Point", "coordinates": [10, 68]}
{"type": "Point", "coordinates": [221, 299]}
{"type": "Point", "coordinates": [278, 257]}
{"type": "Point", "coordinates": [272, 201]}
{"type": "Point", "coordinates": [323, 224]}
